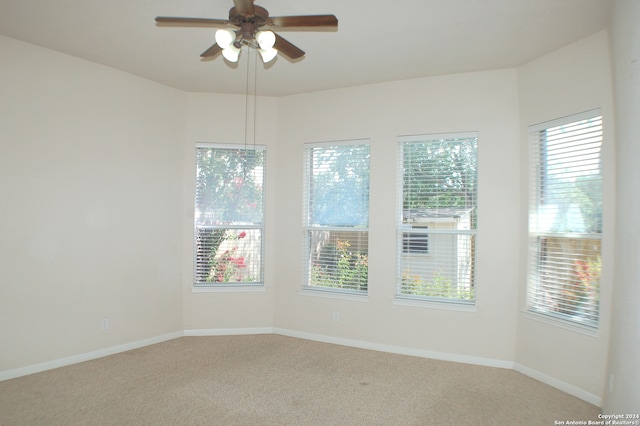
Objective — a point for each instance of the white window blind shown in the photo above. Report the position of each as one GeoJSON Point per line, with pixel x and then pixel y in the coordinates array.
{"type": "Point", "coordinates": [228, 219]}
{"type": "Point", "coordinates": [336, 216]}
{"type": "Point", "coordinates": [565, 218]}
{"type": "Point", "coordinates": [437, 225]}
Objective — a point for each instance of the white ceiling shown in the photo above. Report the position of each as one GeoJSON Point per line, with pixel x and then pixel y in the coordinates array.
{"type": "Point", "coordinates": [376, 40]}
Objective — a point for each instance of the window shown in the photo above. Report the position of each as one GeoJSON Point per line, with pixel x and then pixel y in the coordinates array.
{"type": "Point", "coordinates": [228, 219]}
{"type": "Point", "coordinates": [437, 224]}
{"type": "Point", "coordinates": [412, 242]}
{"type": "Point", "coordinates": [336, 216]}
{"type": "Point", "coordinates": [565, 218]}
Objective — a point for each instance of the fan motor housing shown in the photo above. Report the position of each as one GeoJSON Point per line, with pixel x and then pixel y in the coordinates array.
{"type": "Point", "coordinates": [259, 17]}
{"type": "Point", "coordinates": [249, 24]}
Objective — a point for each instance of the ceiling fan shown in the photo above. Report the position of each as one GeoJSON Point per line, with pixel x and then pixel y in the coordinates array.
{"type": "Point", "coordinates": [255, 29]}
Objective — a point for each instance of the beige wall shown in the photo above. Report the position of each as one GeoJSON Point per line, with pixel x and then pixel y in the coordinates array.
{"type": "Point", "coordinates": [484, 102]}
{"type": "Point", "coordinates": [90, 177]}
{"type": "Point", "coordinates": [623, 390]}
{"type": "Point", "coordinates": [568, 81]}
{"type": "Point", "coordinates": [220, 118]}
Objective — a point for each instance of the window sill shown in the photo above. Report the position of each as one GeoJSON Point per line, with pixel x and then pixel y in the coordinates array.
{"type": "Point", "coordinates": [447, 305]}
{"type": "Point", "coordinates": [230, 288]}
{"type": "Point", "coordinates": [560, 323]}
{"type": "Point", "coordinates": [332, 293]}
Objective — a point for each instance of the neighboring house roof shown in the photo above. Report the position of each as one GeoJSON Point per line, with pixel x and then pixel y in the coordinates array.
{"type": "Point", "coordinates": [429, 215]}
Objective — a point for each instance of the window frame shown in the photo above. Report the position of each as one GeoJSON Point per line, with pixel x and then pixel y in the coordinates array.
{"type": "Point", "coordinates": [245, 227]}
{"type": "Point", "coordinates": [360, 231]}
{"type": "Point", "coordinates": [539, 238]}
{"type": "Point", "coordinates": [405, 225]}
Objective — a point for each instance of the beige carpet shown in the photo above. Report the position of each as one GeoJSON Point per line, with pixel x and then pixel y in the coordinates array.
{"type": "Point", "coordinates": [277, 380]}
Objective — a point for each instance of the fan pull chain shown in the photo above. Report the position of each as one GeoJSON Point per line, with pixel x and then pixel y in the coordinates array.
{"type": "Point", "coordinates": [255, 97]}
{"type": "Point", "coordinates": [246, 103]}
{"type": "Point", "coordinates": [246, 99]}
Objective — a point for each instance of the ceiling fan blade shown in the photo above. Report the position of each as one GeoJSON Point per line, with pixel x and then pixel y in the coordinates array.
{"type": "Point", "coordinates": [212, 51]}
{"type": "Point", "coordinates": [244, 7]}
{"type": "Point", "coordinates": [192, 21]}
{"type": "Point", "coordinates": [288, 49]}
{"type": "Point", "coordinates": [303, 21]}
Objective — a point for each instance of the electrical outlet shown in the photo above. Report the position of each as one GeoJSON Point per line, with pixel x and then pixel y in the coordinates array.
{"type": "Point", "coordinates": [104, 323]}
{"type": "Point", "coordinates": [336, 316]}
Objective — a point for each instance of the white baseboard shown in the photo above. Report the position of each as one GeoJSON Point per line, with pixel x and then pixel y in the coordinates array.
{"type": "Point", "coordinates": [487, 362]}
{"type": "Point", "coordinates": [229, 331]}
{"type": "Point", "coordinates": [559, 384]}
{"type": "Point", "coordinates": [465, 359]}
{"type": "Point", "coordinates": [75, 359]}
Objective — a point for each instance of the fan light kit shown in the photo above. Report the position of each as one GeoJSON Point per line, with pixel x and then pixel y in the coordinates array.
{"type": "Point", "coordinates": [254, 28]}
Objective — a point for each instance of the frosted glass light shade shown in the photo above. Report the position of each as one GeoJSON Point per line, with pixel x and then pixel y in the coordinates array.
{"type": "Point", "coordinates": [265, 39]}
{"type": "Point", "coordinates": [225, 38]}
{"type": "Point", "coordinates": [268, 54]}
{"type": "Point", "coordinates": [231, 53]}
